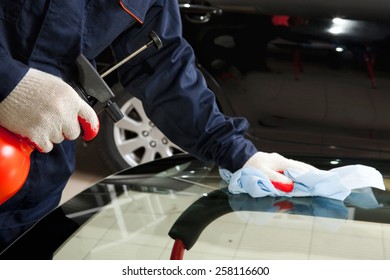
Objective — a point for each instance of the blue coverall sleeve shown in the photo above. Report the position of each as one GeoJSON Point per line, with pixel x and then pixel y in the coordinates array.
{"type": "Point", "coordinates": [175, 95]}
{"type": "Point", "coordinates": [11, 72]}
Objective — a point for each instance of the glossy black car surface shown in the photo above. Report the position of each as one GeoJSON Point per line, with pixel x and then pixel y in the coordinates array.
{"type": "Point", "coordinates": [310, 83]}
{"type": "Point", "coordinates": [138, 213]}
{"type": "Point", "coordinates": [311, 77]}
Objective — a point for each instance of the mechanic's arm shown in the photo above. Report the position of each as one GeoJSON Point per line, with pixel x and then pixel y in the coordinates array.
{"type": "Point", "coordinates": [41, 108]}
{"type": "Point", "coordinates": [176, 98]}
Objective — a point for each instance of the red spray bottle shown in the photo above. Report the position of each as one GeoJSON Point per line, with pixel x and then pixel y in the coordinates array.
{"type": "Point", "coordinates": [14, 164]}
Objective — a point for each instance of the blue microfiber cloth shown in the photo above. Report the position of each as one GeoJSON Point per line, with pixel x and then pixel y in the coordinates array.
{"type": "Point", "coordinates": [336, 183]}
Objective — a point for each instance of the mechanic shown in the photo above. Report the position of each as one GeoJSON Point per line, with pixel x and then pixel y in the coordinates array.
{"type": "Point", "coordinates": [39, 42]}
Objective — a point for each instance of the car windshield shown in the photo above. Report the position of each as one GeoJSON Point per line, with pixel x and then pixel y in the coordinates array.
{"type": "Point", "coordinates": [145, 209]}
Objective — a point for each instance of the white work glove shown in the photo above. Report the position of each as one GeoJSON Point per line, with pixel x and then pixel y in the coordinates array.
{"type": "Point", "coordinates": [273, 166]}
{"type": "Point", "coordinates": [43, 110]}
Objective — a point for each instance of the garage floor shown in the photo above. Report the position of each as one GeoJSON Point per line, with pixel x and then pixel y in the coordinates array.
{"type": "Point", "coordinates": [89, 171]}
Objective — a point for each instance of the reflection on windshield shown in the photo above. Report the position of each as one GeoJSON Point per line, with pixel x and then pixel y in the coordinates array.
{"type": "Point", "coordinates": [201, 184]}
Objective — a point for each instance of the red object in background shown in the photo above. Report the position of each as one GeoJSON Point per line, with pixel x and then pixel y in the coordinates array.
{"type": "Point", "coordinates": [14, 164]}
{"type": "Point", "coordinates": [288, 21]}
{"type": "Point", "coordinates": [280, 20]}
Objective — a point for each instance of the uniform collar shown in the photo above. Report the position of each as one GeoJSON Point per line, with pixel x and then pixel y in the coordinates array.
{"type": "Point", "coordinates": [136, 8]}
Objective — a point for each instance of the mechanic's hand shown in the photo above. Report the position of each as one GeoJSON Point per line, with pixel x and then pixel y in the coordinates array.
{"type": "Point", "coordinates": [43, 109]}
{"type": "Point", "coordinates": [273, 166]}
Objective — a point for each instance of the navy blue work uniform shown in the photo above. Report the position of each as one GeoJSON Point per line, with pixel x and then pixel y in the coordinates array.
{"type": "Point", "coordinates": [49, 34]}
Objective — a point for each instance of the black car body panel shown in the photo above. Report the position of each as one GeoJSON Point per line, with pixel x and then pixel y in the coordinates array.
{"type": "Point", "coordinates": [310, 84]}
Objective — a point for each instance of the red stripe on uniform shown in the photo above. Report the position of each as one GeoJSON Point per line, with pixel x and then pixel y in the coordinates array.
{"type": "Point", "coordinates": [130, 13]}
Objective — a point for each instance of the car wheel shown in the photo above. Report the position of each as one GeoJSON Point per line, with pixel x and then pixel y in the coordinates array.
{"type": "Point", "coordinates": [134, 139]}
